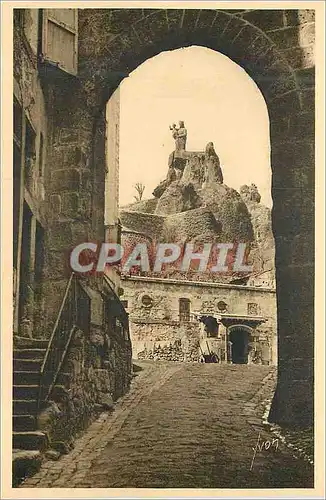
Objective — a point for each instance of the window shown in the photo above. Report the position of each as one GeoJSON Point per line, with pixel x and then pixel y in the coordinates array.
{"type": "Point", "coordinates": [253, 309]}
{"type": "Point", "coordinates": [26, 260]}
{"type": "Point", "coordinates": [119, 232]}
{"type": "Point", "coordinates": [16, 200]}
{"type": "Point", "coordinates": [222, 306]}
{"type": "Point", "coordinates": [30, 154]}
{"type": "Point", "coordinates": [211, 325]}
{"type": "Point", "coordinates": [17, 153]}
{"type": "Point", "coordinates": [147, 301]}
{"type": "Point", "coordinates": [39, 252]}
{"type": "Point", "coordinates": [118, 326]}
{"type": "Point", "coordinates": [18, 122]}
{"type": "Point", "coordinates": [19, 16]}
{"type": "Point", "coordinates": [184, 309]}
{"type": "Point", "coordinates": [60, 38]}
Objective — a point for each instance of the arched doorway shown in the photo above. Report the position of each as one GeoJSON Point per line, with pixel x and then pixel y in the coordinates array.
{"type": "Point", "coordinates": [239, 338]}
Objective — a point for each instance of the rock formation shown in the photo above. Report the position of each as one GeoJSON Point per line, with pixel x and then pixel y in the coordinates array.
{"type": "Point", "coordinates": [213, 171]}
{"type": "Point", "coordinates": [180, 196]}
{"type": "Point", "coordinates": [263, 249]}
{"type": "Point", "coordinates": [194, 205]}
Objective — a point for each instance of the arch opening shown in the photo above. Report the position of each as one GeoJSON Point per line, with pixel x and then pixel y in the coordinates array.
{"type": "Point", "coordinates": [239, 338]}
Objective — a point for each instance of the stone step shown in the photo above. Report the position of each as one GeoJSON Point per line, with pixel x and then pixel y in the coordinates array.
{"type": "Point", "coordinates": [24, 423]}
{"type": "Point", "coordinates": [33, 365]}
{"type": "Point", "coordinates": [27, 392]}
{"type": "Point", "coordinates": [24, 407]}
{"type": "Point", "coordinates": [30, 440]}
{"type": "Point", "coordinates": [29, 353]}
{"type": "Point", "coordinates": [26, 377]}
{"type": "Point", "coordinates": [30, 377]}
{"type": "Point", "coordinates": [27, 343]}
{"type": "Point", "coordinates": [25, 463]}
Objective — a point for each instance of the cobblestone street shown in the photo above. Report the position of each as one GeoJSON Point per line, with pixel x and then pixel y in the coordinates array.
{"type": "Point", "coordinates": [182, 426]}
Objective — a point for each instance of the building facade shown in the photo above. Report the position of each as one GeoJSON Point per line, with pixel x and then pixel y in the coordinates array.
{"type": "Point", "coordinates": [165, 319]}
{"type": "Point", "coordinates": [61, 322]}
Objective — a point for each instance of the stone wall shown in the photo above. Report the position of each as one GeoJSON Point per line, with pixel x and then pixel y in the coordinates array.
{"type": "Point", "coordinates": [33, 129]}
{"type": "Point", "coordinates": [146, 206]}
{"type": "Point", "coordinates": [148, 224]}
{"type": "Point", "coordinates": [62, 182]}
{"type": "Point", "coordinates": [95, 373]}
{"type": "Point", "coordinates": [263, 249]}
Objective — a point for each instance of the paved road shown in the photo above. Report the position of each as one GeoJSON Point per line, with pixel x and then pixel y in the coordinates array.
{"type": "Point", "coordinates": [182, 426]}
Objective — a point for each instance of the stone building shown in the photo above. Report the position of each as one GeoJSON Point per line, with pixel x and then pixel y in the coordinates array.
{"type": "Point", "coordinates": [67, 64]}
{"type": "Point", "coordinates": [72, 351]}
{"type": "Point", "coordinates": [165, 318]}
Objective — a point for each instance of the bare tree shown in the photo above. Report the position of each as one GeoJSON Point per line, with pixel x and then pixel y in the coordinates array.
{"type": "Point", "coordinates": [140, 188]}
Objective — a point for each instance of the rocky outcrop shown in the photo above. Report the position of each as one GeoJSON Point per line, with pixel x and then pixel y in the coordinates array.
{"type": "Point", "coordinates": [201, 186]}
{"type": "Point", "coordinates": [263, 249]}
{"type": "Point", "coordinates": [213, 171]}
{"type": "Point", "coordinates": [194, 205]}
{"type": "Point", "coordinates": [250, 194]}
{"type": "Point", "coordinates": [145, 206]}
{"type": "Point", "coordinates": [194, 171]}
{"type": "Point", "coordinates": [230, 210]}
{"type": "Point", "coordinates": [179, 197]}
{"type": "Point", "coordinates": [197, 225]}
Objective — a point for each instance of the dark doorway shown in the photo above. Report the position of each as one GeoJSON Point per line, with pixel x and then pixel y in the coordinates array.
{"type": "Point", "coordinates": [239, 345]}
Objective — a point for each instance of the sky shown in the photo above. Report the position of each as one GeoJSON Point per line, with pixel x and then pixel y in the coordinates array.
{"type": "Point", "coordinates": [218, 102]}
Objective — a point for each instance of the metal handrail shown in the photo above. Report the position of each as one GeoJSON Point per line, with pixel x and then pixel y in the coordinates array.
{"type": "Point", "coordinates": [69, 318]}
{"type": "Point", "coordinates": [57, 322]}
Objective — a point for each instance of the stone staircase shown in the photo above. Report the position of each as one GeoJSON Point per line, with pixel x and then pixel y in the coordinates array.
{"type": "Point", "coordinates": [28, 442]}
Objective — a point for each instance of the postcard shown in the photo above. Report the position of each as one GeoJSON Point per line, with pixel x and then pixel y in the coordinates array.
{"type": "Point", "coordinates": [163, 249]}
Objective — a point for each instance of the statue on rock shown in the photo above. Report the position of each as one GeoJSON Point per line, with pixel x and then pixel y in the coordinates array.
{"type": "Point", "coordinates": [202, 168]}
{"type": "Point", "coordinates": [213, 171]}
{"type": "Point", "coordinates": [177, 158]}
{"type": "Point", "coordinates": [180, 136]}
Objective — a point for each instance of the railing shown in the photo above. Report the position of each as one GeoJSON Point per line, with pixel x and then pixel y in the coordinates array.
{"type": "Point", "coordinates": [74, 313]}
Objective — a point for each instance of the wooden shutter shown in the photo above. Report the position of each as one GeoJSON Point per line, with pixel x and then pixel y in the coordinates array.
{"type": "Point", "coordinates": [60, 38]}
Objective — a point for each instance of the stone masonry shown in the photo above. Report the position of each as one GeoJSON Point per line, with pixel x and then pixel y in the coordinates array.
{"type": "Point", "coordinates": [158, 332]}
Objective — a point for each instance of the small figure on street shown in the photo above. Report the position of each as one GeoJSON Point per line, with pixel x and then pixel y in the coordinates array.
{"type": "Point", "coordinates": [265, 354]}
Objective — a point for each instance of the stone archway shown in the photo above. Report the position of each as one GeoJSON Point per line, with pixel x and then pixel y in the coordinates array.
{"type": "Point", "coordinates": [239, 345]}
{"type": "Point", "coordinates": [112, 43]}
{"type": "Point", "coordinates": [239, 335]}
